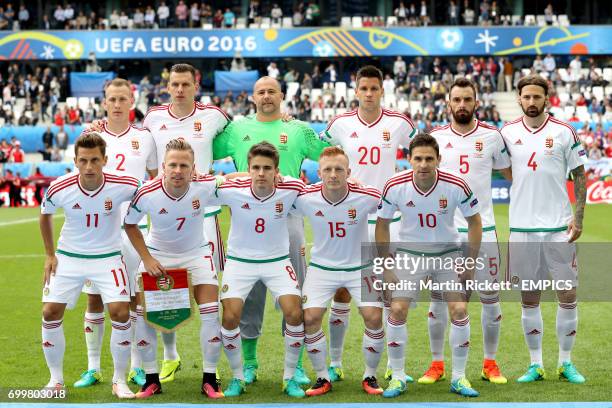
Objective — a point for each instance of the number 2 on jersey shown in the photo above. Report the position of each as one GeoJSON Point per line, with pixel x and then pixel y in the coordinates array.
{"type": "Point", "coordinates": [374, 155]}
{"type": "Point", "coordinates": [121, 157]}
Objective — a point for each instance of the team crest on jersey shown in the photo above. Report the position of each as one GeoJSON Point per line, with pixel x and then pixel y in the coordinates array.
{"type": "Point", "coordinates": [278, 207]}
{"type": "Point", "coordinates": [283, 138]}
{"type": "Point", "coordinates": [195, 204]}
{"type": "Point", "coordinates": [386, 135]}
{"type": "Point", "coordinates": [354, 135]}
{"type": "Point", "coordinates": [135, 144]}
{"type": "Point", "coordinates": [479, 145]}
{"type": "Point", "coordinates": [443, 202]}
{"type": "Point", "coordinates": [108, 204]}
{"type": "Point", "coordinates": [352, 214]}
{"type": "Point", "coordinates": [549, 142]}
{"type": "Point", "coordinates": [165, 283]}
{"type": "Point", "coordinates": [197, 126]}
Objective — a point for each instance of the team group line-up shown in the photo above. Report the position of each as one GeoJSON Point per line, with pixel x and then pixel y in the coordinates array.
{"type": "Point", "coordinates": [444, 200]}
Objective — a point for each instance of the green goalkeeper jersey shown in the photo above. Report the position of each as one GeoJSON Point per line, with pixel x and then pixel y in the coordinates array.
{"type": "Point", "coordinates": [295, 141]}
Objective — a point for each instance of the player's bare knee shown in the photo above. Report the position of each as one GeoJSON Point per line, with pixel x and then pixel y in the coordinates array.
{"type": "Point", "coordinates": [119, 311]}
{"type": "Point", "coordinates": [53, 311]}
{"type": "Point", "coordinates": [94, 304]}
{"type": "Point", "coordinates": [342, 296]}
{"type": "Point", "coordinates": [457, 310]}
{"type": "Point", "coordinates": [372, 317]}
{"type": "Point", "coordinates": [294, 316]}
{"type": "Point", "coordinates": [531, 298]}
{"type": "Point", "coordinates": [312, 319]}
{"type": "Point", "coordinates": [567, 296]}
{"type": "Point", "coordinates": [399, 309]}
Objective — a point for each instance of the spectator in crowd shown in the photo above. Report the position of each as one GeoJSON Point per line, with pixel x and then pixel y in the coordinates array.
{"type": "Point", "coordinates": [61, 139]}
{"type": "Point", "coordinates": [194, 15]}
{"type": "Point", "coordinates": [291, 76]}
{"type": "Point", "coordinates": [538, 64]}
{"type": "Point", "coordinates": [453, 13]}
{"type": "Point", "coordinates": [69, 15]}
{"type": "Point", "coordinates": [5, 150]}
{"type": "Point", "coordinates": [113, 19]}
{"type": "Point", "coordinates": [273, 70]}
{"type": "Point", "coordinates": [238, 64]}
{"type": "Point", "coordinates": [9, 15]}
{"type": "Point", "coordinates": [307, 82]}
{"type": "Point", "coordinates": [388, 85]}
{"type": "Point", "coordinates": [276, 14]}
{"type": "Point", "coordinates": [218, 19]}
{"type": "Point", "coordinates": [46, 24]}
{"type": "Point", "coordinates": [206, 13]}
{"type": "Point", "coordinates": [548, 14]}
{"type": "Point", "coordinates": [469, 15]}
{"type": "Point", "coordinates": [423, 13]}
{"type": "Point", "coordinates": [298, 15]}
{"type": "Point", "coordinates": [332, 73]}
{"type": "Point", "coordinates": [229, 18]}
{"type": "Point", "coordinates": [163, 13]}
{"type": "Point", "coordinates": [549, 64]}
{"type": "Point", "coordinates": [401, 12]}
{"type": "Point", "coordinates": [149, 17]}
{"type": "Point", "coordinates": [58, 16]}
{"type": "Point", "coordinates": [253, 13]}
{"type": "Point", "coordinates": [23, 17]}
{"type": "Point", "coordinates": [181, 14]}
{"type": "Point", "coordinates": [138, 18]}
{"type": "Point", "coordinates": [17, 154]}
{"type": "Point", "coordinates": [484, 13]}
{"type": "Point", "coordinates": [575, 68]}
{"type": "Point", "coordinates": [48, 137]}
{"type": "Point", "coordinates": [398, 64]}
{"type": "Point", "coordinates": [56, 155]}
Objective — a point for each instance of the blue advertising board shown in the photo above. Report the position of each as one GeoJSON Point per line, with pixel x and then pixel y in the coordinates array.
{"type": "Point", "coordinates": [305, 42]}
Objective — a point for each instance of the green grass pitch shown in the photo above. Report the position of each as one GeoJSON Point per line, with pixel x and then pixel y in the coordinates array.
{"type": "Point", "coordinates": [22, 364]}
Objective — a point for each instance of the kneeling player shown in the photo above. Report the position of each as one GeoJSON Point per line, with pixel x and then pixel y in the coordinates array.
{"type": "Point", "coordinates": [89, 248]}
{"type": "Point", "coordinates": [338, 212]}
{"type": "Point", "coordinates": [175, 202]}
{"type": "Point", "coordinates": [258, 249]}
{"type": "Point", "coordinates": [428, 198]}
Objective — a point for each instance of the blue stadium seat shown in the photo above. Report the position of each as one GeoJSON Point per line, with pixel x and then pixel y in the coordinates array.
{"type": "Point", "coordinates": [24, 169]}
{"type": "Point", "coordinates": [311, 167]}
{"type": "Point", "coordinates": [225, 166]}
{"type": "Point", "coordinates": [31, 136]}
{"type": "Point", "coordinates": [54, 169]}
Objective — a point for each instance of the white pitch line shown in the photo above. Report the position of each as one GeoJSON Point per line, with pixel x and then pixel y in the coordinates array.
{"type": "Point", "coordinates": [23, 221]}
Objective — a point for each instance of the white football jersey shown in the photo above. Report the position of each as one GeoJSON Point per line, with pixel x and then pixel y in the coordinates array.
{"type": "Point", "coordinates": [199, 128]}
{"type": "Point", "coordinates": [428, 216]}
{"type": "Point", "coordinates": [541, 159]}
{"type": "Point", "coordinates": [338, 228]}
{"type": "Point", "coordinates": [258, 228]}
{"type": "Point", "coordinates": [176, 223]}
{"type": "Point", "coordinates": [372, 148]}
{"type": "Point", "coordinates": [130, 153]}
{"type": "Point", "coordinates": [92, 227]}
{"type": "Point", "coordinates": [474, 156]}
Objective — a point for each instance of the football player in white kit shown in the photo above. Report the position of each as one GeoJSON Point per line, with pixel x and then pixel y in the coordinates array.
{"type": "Point", "coordinates": [89, 249]}
{"type": "Point", "coordinates": [198, 124]}
{"type": "Point", "coordinates": [370, 136]}
{"type": "Point", "coordinates": [258, 249]}
{"type": "Point", "coordinates": [131, 152]}
{"type": "Point", "coordinates": [543, 229]}
{"type": "Point", "coordinates": [338, 213]}
{"type": "Point", "coordinates": [428, 198]}
{"type": "Point", "coordinates": [472, 149]}
{"type": "Point", "coordinates": [175, 203]}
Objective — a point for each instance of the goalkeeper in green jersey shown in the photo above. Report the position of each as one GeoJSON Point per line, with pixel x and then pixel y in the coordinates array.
{"type": "Point", "coordinates": [295, 141]}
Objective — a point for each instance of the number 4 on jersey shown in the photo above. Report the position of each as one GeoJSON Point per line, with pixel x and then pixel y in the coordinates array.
{"type": "Point", "coordinates": [532, 163]}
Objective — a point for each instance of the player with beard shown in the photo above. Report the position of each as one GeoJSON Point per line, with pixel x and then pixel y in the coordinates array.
{"type": "Point", "coordinates": [543, 229]}
{"type": "Point", "coordinates": [472, 149]}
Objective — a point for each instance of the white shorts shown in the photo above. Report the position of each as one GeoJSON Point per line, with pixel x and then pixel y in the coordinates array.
{"type": "Point", "coordinates": [212, 232]}
{"type": "Point", "coordinates": [537, 256]}
{"type": "Point", "coordinates": [489, 253]}
{"type": "Point", "coordinates": [239, 278]}
{"type": "Point", "coordinates": [414, 280]}
{"type": "Point", "coordinates": [199, 262]}
{"type": "Point", "coordinates": [108, 274]}
{"type": "Point", "coordinates": [131, 260]}
{"type": "Point", "coordinates": [321, 285]}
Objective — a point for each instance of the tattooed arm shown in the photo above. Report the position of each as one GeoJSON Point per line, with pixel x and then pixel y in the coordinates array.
{"type": "Point", "coordinates": [575, 227]}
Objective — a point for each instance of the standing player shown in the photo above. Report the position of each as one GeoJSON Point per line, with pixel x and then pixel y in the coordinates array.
{"type": "Point", "coordinates": [542, 227]}
{"type": "Point", "coordinates": [89, 248]}
{"type": "Point", "coordinates": [428, 199]}
{"type": "Point", "coordinates": [472, 149]}
{"type": "Point", "coordinates": [258, 249]}
{"type": "Point", "coordinates": [131, 152]}
{"type": "Point", "coordinates": [175, 203]}
{"type": "Point", "coordinates": [294, 141]}
{"type": "Point", "coordinates": [338, 213]}
{"type": "Point", "coordinates": [198, 124]}
{"type": "Point", "coordinates": [370, 136]}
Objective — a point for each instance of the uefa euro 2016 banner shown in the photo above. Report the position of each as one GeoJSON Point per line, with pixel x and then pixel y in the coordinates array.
{"type": "Point", "coordinates": [305, 42]}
